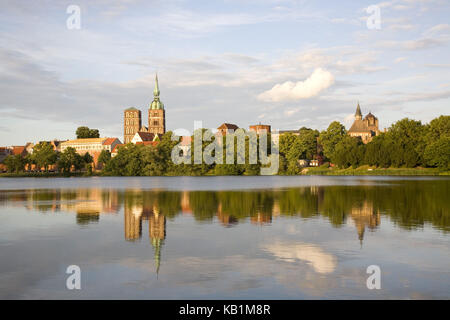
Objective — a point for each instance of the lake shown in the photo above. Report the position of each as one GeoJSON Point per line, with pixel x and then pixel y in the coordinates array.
{"type": "Point", "coordinates": [299, 237]}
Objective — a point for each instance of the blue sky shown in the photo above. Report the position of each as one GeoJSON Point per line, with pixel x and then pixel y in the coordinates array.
{"type": "Point", "coordinates": [286, 63]}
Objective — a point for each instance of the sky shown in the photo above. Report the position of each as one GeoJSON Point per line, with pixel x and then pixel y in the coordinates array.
{"type": "Point", "coordinates": [287, 63]}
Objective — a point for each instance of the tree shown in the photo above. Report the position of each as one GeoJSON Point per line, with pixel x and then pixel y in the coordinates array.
{"type": "Point", "coordinates": [438, 127]}
{"type": "Point", "coordinates": [88, 160]}
{"type": "Point", "coordinates": [379, 151]}
{"type": "Point", "coordinates": [15, 163]}
{"type": "Point", "coordinates": [408, 137]}
{"type": "Point", "coordinates": [70, 159]}
{"type": "Point", "coordinates": [85, 132]}
{"type": "Point", "coordinates": [44, 155]}
{"type": "Point", "coordinates": [104, 157]}
{"type": "Point", "coordinates": [308, 137]}
{"type": "Point", "coordinates": [331, 137]}
{"type": "Point", "coordinates": [437, 154]}
{"type": "Point", "coordinates": [348, 152]}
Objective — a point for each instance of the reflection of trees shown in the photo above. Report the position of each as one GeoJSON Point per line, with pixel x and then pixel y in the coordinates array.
{"type": "Point", "coordinates": [86, 218]}
{"type": "Point", "coordinates": [299, 201]}
{"type": "Point", "coordinates": [410, 204]}
{"type": "Point", "coordinates": [204, 204]}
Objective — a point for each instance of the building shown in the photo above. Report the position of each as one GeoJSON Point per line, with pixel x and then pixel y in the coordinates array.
{"type": "Point", "coordinates": [144, 137]}
{"type": "Point", "coordinates": [132, 122]}
{"type": "Point", "coordinates": [226, 128]}
{"type": "Point", "coordinates": [156, 113]}
{"type": "Point", "coordinates": [56, 144]}
{"type": "Point", "coordinates": [365, 128]}
{"type": "Point", "coordinates": [93, 146]}
{"type": "Point", "coordinates": [260, 128]}
{"type": "Point", "coordinates": [185, 145]}
{"type": "Point", "coordinates": [19, 150]}
{"type": "Point", "coordinates": [115, 150]}
{"type": "Point", "coordinates": [4, 152]}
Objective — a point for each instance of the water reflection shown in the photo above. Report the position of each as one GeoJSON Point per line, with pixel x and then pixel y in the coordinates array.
{"type": "Point", "coordinates": [410, 204]}
{"type": "Point", "coordinates": [304, 244]}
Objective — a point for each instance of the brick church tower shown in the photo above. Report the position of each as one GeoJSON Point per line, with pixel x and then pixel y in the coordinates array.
{"type": "Point", "coordinates": [156, 113]}
{"type": "Point", "coordinates": [131, 123]}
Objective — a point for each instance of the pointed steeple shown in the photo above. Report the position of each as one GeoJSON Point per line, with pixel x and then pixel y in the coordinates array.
{"type": "Point", "coordinates": [358, 114]}
{"type": "Point", "coordinates": [156, 103]}
{"type": "Point", "coordinates": [156, 90]}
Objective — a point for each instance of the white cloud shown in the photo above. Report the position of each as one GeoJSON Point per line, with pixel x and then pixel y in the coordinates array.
{"type": "Point", "coordinates": [318, 81]}
{"type": "Point", "coordinates": [321, 261]}
{"type": "Point", "coordinates": [438, 29]}
{"type": "Point", "coordinates": [400, 59]}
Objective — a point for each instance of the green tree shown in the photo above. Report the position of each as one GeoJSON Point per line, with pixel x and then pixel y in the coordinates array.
{"type": "Point", "coordinates": [308, 137]}
{"type": "Point", "coordinates": [348, 152]}
{"type": "Point", "coordinates": [88, 161]}
{"type": "Point", "coordinates": [331, 137]}
{"type": "Point", "coordinates": [408, 138]}
{"type": "Point", "coordinates": [70, 159]}
{"type": "Point", "coordinates": [85, 132]}
{"type": "Point", "coordinates": [104, 157]}
{"type": "Point", "coordinates": [437, 154]}
{"type": "Point", "coordinates": [44, 155]}
{"type": "Point", "coordinates": [15, 163]}
{"type": "Point", "coordinates": [379, 151]}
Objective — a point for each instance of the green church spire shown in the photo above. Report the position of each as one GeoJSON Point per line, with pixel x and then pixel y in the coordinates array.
{"type": "Point", "coordinates": [156, 103]}
{"type": "Point", "coordinates": [156, 91]}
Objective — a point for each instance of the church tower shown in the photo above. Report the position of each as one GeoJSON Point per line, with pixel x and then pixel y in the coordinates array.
{"type": "Point", "coordinates": [131, 123]}
{"type": "Point", "coordinates": [156, 113]}
{"type": "Point", "coordinates": [358, 114]}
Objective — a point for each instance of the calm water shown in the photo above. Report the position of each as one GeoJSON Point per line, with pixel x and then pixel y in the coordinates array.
{"type": "Point", "coordinates": [225, 237]}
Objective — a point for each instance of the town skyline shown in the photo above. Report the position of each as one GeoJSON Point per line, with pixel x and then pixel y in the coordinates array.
{"type": "Point", "coordinates": [220, 62]}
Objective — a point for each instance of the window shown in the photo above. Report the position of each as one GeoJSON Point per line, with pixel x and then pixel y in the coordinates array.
{"type": "Point", "coordinates": [155, 123]}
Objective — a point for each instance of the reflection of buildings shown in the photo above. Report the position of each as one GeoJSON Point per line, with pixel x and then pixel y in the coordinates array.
{"type": "Point", "coordinates": [225, 219]}
{"type": "Point", "coordinates": [365, 216]}
{"type": "Point", "coordinates": [88, 204]}
{"type": "Point", "coordinates": [133, 216]}
{"type": "Point", "coordinates": [133, 222]}
{"type": "Point", "coordinates": [261, 218]}
{"type": "Point", "coordinates": [185, 204]}
{"type": "Point", "coordinates": [157, 234]}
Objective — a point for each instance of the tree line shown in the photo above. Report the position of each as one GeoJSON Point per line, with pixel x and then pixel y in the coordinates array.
{"type": "Point", "coordinates": [45, 158]}
{"type": "Point", "coordinates": [407, 143]}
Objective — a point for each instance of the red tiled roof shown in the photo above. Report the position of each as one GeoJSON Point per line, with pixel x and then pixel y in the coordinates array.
{"type": "Point", "coordinates": [228, 126]}
{"type": "Point", "coordinates": [18, 150]}
{"type": "Point", "coordinates": [109, 141]}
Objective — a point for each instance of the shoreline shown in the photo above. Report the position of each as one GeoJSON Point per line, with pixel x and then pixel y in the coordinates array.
{"type": "Point", "coordinates": [310, 171]}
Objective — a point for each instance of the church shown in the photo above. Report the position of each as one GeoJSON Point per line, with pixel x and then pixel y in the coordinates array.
{"type": "Point", "coordinates": [365, 128]}
{"type": "Point", "coordinates": [132, 122]}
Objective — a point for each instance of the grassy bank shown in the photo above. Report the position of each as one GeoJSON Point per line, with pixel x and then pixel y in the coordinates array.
{"type": "Point", "coordinates": [361, 171]}
{"type": "Point", "coordinates": [42, 175]}
{"type": "Point", "coordinates": [369, 171]}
